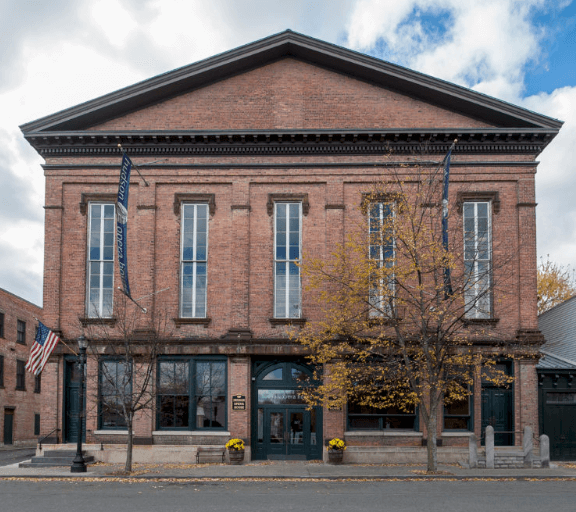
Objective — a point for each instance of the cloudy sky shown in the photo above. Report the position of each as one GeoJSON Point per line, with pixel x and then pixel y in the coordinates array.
{"type": "Point", "coordinates": [57, 53]}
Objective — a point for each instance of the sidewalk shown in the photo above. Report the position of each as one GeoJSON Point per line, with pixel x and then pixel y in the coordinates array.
{"type": "Point", "coordinates": [288, 470]}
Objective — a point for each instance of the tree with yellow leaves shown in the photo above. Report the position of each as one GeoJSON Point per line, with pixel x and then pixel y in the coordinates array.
{"type": "Point", "coordinates": [556, 283]}
{"type": "Point", "coordinates": [397, 304]}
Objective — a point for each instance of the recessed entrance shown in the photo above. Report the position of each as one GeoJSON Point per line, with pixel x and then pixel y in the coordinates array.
{"type": "Point", "coordinates": [283, 428]}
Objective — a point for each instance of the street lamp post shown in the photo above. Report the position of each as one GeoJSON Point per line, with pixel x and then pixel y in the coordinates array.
{"type": "Point", "coordinates": [78, 465]}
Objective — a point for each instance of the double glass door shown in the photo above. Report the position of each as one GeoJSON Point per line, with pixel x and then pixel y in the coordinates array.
{"type": "Point", "coordinates": [288, 432]}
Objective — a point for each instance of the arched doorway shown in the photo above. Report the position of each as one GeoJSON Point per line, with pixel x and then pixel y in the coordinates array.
{"type": "Point", "coordinates": [282, 427]}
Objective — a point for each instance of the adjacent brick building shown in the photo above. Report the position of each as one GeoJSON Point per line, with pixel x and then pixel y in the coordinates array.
{"type": "Point", "coordinates": [21, 393]}
{"type": "Point", "coordinates": [252, 157]}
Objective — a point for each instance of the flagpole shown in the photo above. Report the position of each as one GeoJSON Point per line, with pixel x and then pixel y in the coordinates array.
{"type": "Point", "coordinates": [134, 165]}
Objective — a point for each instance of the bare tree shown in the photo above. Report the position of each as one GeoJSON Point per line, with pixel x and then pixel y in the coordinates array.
{"type": "Point", "coordinates": [126, 352]}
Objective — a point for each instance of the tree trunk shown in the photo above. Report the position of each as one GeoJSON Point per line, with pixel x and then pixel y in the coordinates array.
{"type": "Point", "coordinates": [432, 449]}
{"type": "Point", "coordinates": [128, 466]}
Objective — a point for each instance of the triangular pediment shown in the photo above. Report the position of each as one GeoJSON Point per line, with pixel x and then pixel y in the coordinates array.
{"type": "Point", "coordinates": [293, 95]}
{"type": "Point", "coordinates": [290, 94]}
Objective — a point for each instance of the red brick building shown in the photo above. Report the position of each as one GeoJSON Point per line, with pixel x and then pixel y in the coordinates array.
{"type": "Point", "coordinates": [251, 157]}
{"type": "Point", "coordinates": [21, 393]}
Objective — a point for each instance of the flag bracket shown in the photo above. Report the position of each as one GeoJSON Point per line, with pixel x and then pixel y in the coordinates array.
{"type": "Point", "coordinates": [144, 310]}
{"type": "Point", "coordinates": [135, 166]}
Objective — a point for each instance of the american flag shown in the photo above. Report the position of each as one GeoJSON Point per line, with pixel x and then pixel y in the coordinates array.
{"type": "Point", "coordinates": [44, 344]}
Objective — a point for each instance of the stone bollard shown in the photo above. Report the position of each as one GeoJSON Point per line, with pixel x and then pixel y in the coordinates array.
{"type": "Point", "coordinates": [545, 451]}
{"type": "Point", "coordinates": [528, 447]}
{"type": "Point", "coordinates": [472, 452]}
{"type": "Point", "coordinates": [489, 447]}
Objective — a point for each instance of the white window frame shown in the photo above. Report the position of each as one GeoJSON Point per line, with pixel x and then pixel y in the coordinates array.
{"type": "Point", "coordinates": [289, 310]}
{"type": "Point", "coordinates": [478, 295]}
{"type": "Point", "coordinates": [100, 308]}
{"type": "Point", "coordinates": [376, 297]}
{"type": "Point", "coordinates": [197, 306]}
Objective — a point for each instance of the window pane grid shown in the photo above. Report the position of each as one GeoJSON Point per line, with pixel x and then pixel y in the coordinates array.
{"type": "Point", "coordinates": [477, 259]}
{"type": "Point", "coordinates": [115, 391]}
{"type": "Point", "coordinates": [194, 259]}
{"type": "Point", "coordinates": [101, 235]}
{"type": "Point", "coordinates": [381, 251]}
{"type": "Point", "coordinates": [183, 395]}
{"type": "Point", "coordinates": [287, 251]}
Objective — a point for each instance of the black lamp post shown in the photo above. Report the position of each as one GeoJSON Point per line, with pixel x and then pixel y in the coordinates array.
{"type": "Point", "coordinates": [78, 465]}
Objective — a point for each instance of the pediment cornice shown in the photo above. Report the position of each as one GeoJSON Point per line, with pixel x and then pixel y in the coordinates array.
{"type": "Point", "coordinates": [292, 142]}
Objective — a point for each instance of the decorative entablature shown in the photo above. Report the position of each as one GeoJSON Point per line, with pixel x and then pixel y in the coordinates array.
{"type": "Point", "coordinates": [530, 141]}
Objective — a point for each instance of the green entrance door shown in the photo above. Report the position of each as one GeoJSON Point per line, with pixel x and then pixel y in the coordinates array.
{"type": "Point", "coordinates": [71, 393]}
{"type": "Point", "coordinates": [287, 433]}
{"type": "Point", "coordinates": [283, 428]}
{"type": "Point", "coordinates": [497, 412]}
{"type": "Point", "coordinates": [8, 426]}
{"type": "Point", "coordinates": [498, 406]}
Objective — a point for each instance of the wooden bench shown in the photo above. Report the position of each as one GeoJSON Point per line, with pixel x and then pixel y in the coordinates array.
{"type": "Point", "coordinates": [211, 452]}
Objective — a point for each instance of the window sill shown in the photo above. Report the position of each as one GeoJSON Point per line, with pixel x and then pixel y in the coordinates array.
{"type": "Point", "coordinates": [287, 321]}
{"type": "Point", "coordinates": [188, 433]}
{"type": "Point", "coordinates": [457, 433]}
{"type": "Point", "coordinates": [20, 389]}
{"type": "Point", "coordinates": [110, 432]}
{"type": "Point", "coordinates": [383, 321]}
{"type": "Point", "coordinates": [383, 433]}
{"type": "Point", "coordinates": [481, 321]}
{"type": "Point", "coordinates": [192, 321]}
{"type": "Point", "coordinates": [97, 321]}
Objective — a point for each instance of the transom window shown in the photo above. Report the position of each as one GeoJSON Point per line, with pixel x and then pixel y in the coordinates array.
{"type": "Point", "coordinates": [287, 255]}
{"type": "Point", "coordinates": [382, 254]}
{"type": "Point", "coordinates": [101, 231]}
{"type": "Point", "coordinates": [194, 260]}
{"type": "Point", "coordinates": [477, 259]}
{"type": "Point", "coordinates": [191, 394]}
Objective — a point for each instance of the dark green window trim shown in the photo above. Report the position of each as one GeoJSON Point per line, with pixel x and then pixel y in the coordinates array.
{"type": "Point", "coordinates": [110, 393]}
{"type": "Point", "coordinates": [181, 402]}
{"type": "Point", "coordinates": [450, 420]}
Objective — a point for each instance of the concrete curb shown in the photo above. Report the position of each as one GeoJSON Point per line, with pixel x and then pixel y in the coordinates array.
{"type": "Point", "coordinates": [291, 478]}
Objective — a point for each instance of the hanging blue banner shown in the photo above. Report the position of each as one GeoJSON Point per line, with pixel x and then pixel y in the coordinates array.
{"type": "Point", "coordinates": [122, 220]}
{"type": "Point", "coordinates": [447, 279]}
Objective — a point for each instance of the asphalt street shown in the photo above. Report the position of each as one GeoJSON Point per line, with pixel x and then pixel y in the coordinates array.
{"type": "Point", "coordinates": [336, 496]}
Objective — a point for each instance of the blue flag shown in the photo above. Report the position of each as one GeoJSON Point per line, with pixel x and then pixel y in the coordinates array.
{"type": "Point", "coordinates": [121, 221]}
{"type": "Point", "coordinates": [447, 281]}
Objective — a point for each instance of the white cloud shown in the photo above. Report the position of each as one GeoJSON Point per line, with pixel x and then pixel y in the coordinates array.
{"type": "Point", "coordinates": [556, 178]}
{"type": "Point", "coordinates": [485, 44]}
{"type": "Point", "coordinates": [61, 53]}
{"type": "Point", "coordinates": [113, 20]}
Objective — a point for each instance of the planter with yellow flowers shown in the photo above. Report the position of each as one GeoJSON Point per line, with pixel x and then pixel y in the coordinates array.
{"type": "Point", "coordinates": [235, 449]}
{"type": "Point", "coordinates": [336, 449]}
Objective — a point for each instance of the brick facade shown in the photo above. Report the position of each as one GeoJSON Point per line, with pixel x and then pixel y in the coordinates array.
{"type": "Point", "coordinates": [285, 127]}
{"type": "Point", "coordinates": [19, 404]}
